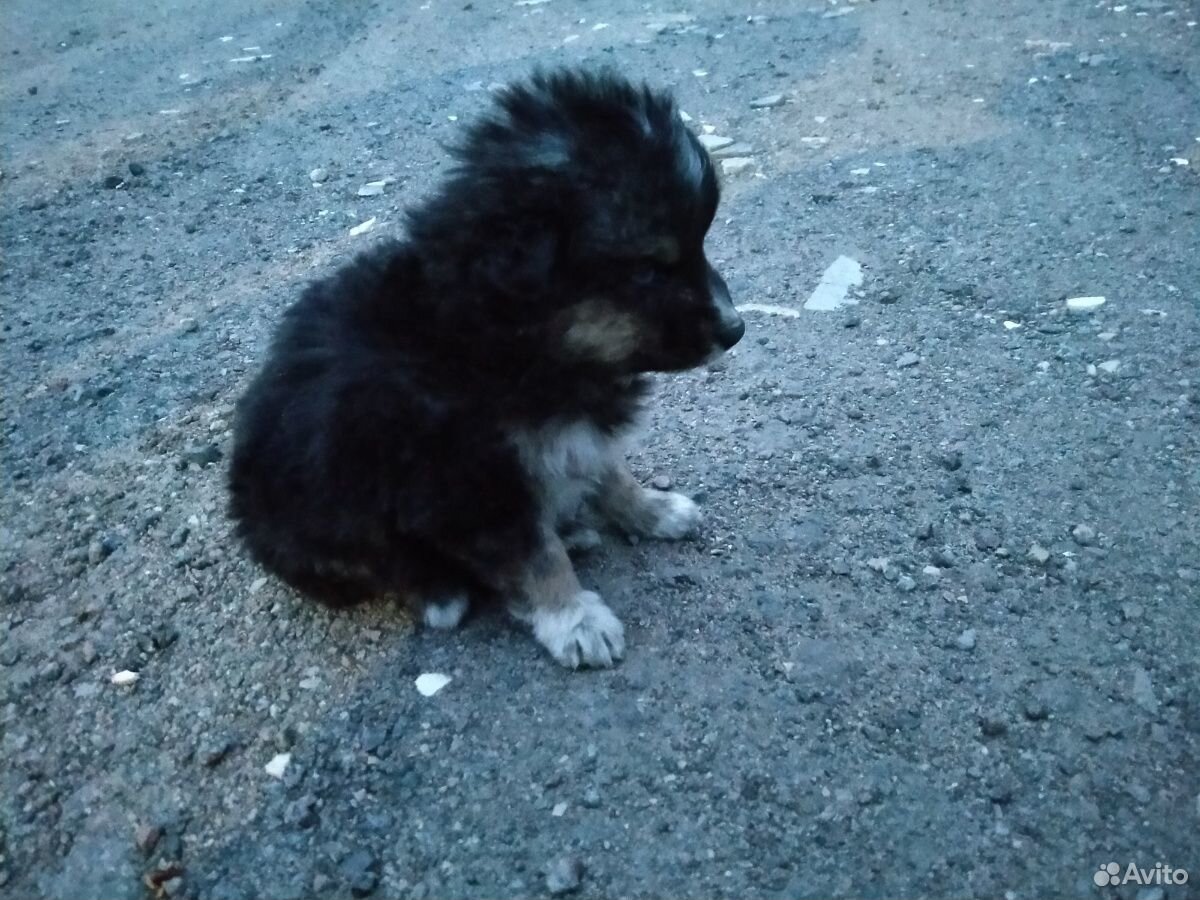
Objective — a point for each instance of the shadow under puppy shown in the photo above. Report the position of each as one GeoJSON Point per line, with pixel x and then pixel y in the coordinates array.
{"type": "Point", "coordinates": [434, 419]}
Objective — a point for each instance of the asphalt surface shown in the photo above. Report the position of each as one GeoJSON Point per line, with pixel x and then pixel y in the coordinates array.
{"type": "Point", "coordinates": [938, 634]}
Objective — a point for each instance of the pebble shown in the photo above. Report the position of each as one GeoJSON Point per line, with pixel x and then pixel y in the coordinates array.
{"type": "Point", "coordinates": [767, 102]}
{"type": "Point", "coordinates": [362, 227]}
{"type": "Point", "coordinates": [943, 558]}
{"type": "Point", "coordinates": [318, 176]}
{"type": "Point", "coordinates": [833, 290]}
{"type": "Point", "coordinates": [564, 875]}
{"type": "Point", "coordinates": [372, 189]}
{"type": "Point", "coordinates": [136, 169]}
{"type": "Point", "coordinates": [201, 455]}
{"type": "Point", "coordinates": [1084, 535]}
{"type": "Point", "coordinates": [124, 678]}
{"type": "Point", "coordinates": [1039, 554]}
{"type": "Point", "coordinates": [966, 640]}
{"type": "Point", "coordinates": [212, 753]}
{"type": "Point", "coordinates": [1110, 366]}
{"type": "Point", "coordinates": [712, 142]}
{"type": "Point", "coordinates": [1084, 304]}
{"type": "Point", "coordinates": [887, 296]}
{"type": "Point", "coordinates": [907, 360]}
{"type": "Point", "coordinates": [987, 539]}
{"type": "Point", "coordinates": [145, 837]}
{"type": "Point", "coordinates": [360, 872]}
{"type": "Point", "coordinates": [906, 583]}
{"type": "Point", "coordinates": [1143, 691]}
{"type": "Point", "coordinates": [278, 765]}
{"type": "Point", "coordinates": [98, 551]}
{"type": "Point", "coordinates": [661, 482]}
{"type": "Point", "coordinates": [1132, 611]}
{"type": "Point", "coordinates": [591, 798]}
{"type": "Point", "coordinates": [430, 683]}
{"type": "Point", "coordinates": [738, 149]}
{"type": "Point", "coordinates": [735, 164]}
{"type": "Point", "coordinates": [992, 725]}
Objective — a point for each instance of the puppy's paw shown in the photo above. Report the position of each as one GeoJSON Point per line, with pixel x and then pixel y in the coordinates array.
{"type": "Point", "coordinates": [581, 540]}
{"type": "Point", "coordinates": [585, 633]}
{"type": "Point", "coordinates": [446, 613]}
{"type": "Point", "coordinates": [674, 515]}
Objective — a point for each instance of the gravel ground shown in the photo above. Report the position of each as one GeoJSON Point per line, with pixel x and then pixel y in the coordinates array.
{"type": "Point", "coordinates": [938, 636]}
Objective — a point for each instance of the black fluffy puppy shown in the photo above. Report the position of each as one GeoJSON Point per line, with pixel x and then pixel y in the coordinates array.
{"type": "Point", "coordinates": [439, 419]}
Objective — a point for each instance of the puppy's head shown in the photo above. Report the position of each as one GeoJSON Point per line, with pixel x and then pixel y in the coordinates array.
{"type": "Point", "coordinates": [611, 197]}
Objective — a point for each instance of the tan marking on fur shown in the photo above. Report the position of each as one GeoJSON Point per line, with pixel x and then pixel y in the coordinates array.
{"type": "Point", "coordinates": [641, 511]}
{"type": "Point", "coordinates": [548, 581]}
{"type": "Point", "coordinates": [598, 331]}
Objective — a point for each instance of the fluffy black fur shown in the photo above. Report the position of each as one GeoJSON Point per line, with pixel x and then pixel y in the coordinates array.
{"type": "Point", "coordinates": [560, 261]}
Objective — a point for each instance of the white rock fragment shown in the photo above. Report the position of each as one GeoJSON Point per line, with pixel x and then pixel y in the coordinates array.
{"type": "Point", "coordinates": [530, 2]}
{"type": "Point", "coordinates": [124, 678]}
{"type": "Point", "coordinates": [770, 309]}
{"type": "Point", "coordinates": [257, 585]}
{"type": "Point", "coordinates": [1009, 324]}
{"type": "Point", "coordinates": [700, 73]}
{"type": "Point", "coordinates": [318, 176]}
{"type": "Point", "coordinates": [860, 171]}
{"type": "Point", "coordinates": [836, 13]}
{"type": "Point", "coordinates": [559, 809]}
{"type": "Point", "coordinates": [362, 227]}
{"type": "Point", "coordinates": [770, 101]}
{"type": "Point", "coordinates": [278, 765]}
{"type": "Point", "coordinates": [1045, 46]}
{"type": "Point", "coordinates": [429, 683]}
{"type": "Point", "coordinates": [1084, 304]}
{"type": "Point", "coordinates": [683, 116]}
{"type": "Point", "coordinates": [1109, 366]}
{"type": "Point", "coordinates": [711, 142]}
{"type": "Point", "coordinates": [833, 289]}
{"type": "Point", "coordinates": [735, 164]}
{"type": "Point", "coordinates": [372, 188]}
{"type": "Point", "coordinates": [739, 149]}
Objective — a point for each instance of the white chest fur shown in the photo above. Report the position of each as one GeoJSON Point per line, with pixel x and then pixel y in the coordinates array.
{"type": "Point", "coordinates": [566, 462]}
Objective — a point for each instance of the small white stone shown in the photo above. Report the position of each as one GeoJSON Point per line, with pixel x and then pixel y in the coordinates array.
{"type": "Point", "coordinates": [712, 142]}
{"type": "Point", "coordinates": [372, 189]}
{"type": "Point", "coordinates": [362, 227]}
{"type": "Point", "coordinates": [1110, 365]}
{"type": "Point", "coordinates": [1039, 554]}
{"type": "Point", "coordinates": [257, 585]}
{"type": "Point", "coordinates": [736, 164]}
{"type": "Point", "coordinates": [770, 101]}
{"type": "Point", "coordinates": [1106, 335]}
{"type": "Point", "coordinates": [1084, 304]}
{"type": "Point", "coordinates": [860, 171]}
{"type": "Point", "coordinates": [832, 291]}
{"type": "Point", "coordinates": [318, 176]}
{"type": "Point", "coordinates": [770, 309]}
{"type": "Point", "coordinates": [430, 683]}
{"type": "Point", "coordinates": [559, 809]}
{"type": "Point", "coordinates": [278, 765]}
{"type": "Point", "coordinates": [1010, 325]}
{"type": "Point", "coordinates": [125, 678]}
{"type": "Point", "coordinates": [1091, 369]}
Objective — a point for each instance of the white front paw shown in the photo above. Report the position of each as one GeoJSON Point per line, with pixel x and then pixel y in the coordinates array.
{"type": "Point", "coordinates": [677, 515]}
{"type": "Point", "coordinates": [585, 633]}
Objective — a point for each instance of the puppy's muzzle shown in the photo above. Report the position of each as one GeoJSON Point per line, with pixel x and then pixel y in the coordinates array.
{"type": "Point", "coordinates": [730, 326]}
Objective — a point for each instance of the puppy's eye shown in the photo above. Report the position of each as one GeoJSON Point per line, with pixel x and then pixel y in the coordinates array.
{"type": "Point", "coordinates": [645, 275]}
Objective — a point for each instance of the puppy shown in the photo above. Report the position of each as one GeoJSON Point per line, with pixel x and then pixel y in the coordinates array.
{"type": "Point", "coordinates": [438, 420]}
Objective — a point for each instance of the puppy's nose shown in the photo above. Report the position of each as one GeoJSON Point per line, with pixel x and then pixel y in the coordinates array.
{"type": "Point", "coordinates": [730, 329]}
